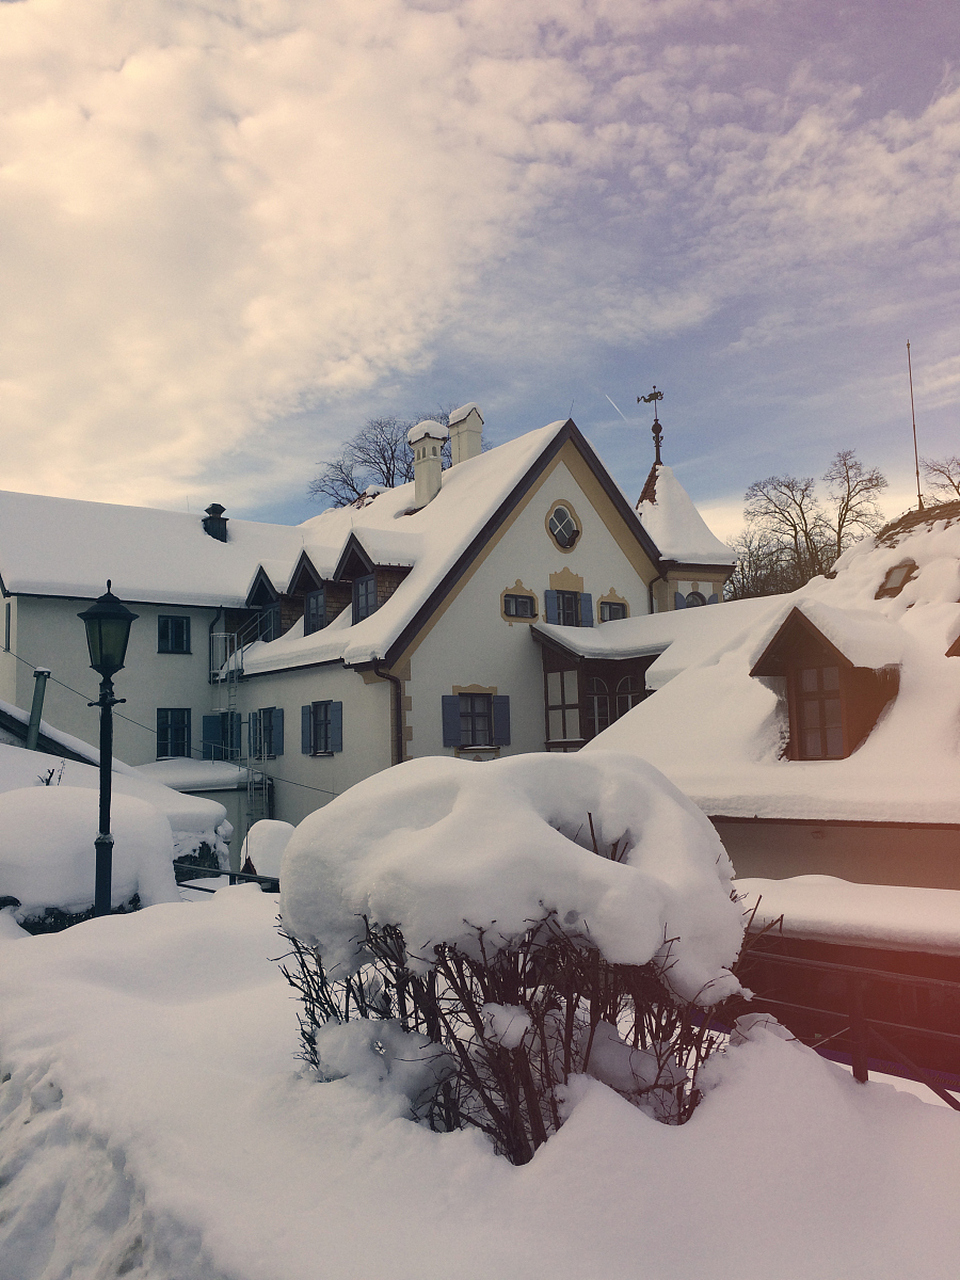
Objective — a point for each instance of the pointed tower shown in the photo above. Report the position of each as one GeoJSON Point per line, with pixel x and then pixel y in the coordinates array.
{"type": "Point", "coordinates": [694, 564]}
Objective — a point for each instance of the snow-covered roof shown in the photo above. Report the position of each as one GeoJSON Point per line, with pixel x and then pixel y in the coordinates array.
{"type": "Point", "coordinates": [66, 547]}
{"type": "Point", "coordinates": [719, 733]}
{"type": "Point", "coordinates": [827, 909]}
{"type": "Point", "coordinates": [674, 523]}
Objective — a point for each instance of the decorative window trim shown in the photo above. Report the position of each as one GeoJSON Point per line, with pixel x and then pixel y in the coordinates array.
{"type": "Point", "coordinates": [468, 707]}
{"type": "Point", "coordinates": [570, 510]}
{"type": "Point", "coordinates": [614, 603]}
{"type": "Point", "coordinates": [512, 597]}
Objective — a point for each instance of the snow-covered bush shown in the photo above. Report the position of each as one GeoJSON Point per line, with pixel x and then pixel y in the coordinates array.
{"type": "Point", "coordinates": [511, 924]}
{"type": "Point", "coordinates": [47, 860]}
{"type": "Point", "coordinates": [263, 846]}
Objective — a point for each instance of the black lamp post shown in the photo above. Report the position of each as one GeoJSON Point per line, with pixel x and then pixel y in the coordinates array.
{"type": "Point", "coordinates": [108, 629]}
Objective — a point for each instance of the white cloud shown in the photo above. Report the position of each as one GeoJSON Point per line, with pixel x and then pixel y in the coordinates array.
{"type": "Point", "coordinates": [214, 216]}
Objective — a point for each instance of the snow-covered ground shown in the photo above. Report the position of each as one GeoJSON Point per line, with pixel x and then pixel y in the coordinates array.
{"type": "Point", "coordinates": [154, 1124]}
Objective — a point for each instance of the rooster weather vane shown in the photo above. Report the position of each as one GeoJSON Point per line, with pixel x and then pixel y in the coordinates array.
{"type": "Point", "coordinates": [652, 398]}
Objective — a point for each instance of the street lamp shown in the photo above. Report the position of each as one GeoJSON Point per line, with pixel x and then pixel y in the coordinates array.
{"type": "Point", "coordinates": [108, 629]}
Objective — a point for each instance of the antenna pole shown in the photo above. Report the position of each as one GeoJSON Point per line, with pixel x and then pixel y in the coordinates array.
{"type": "Point", "coordinates": [913, 416]}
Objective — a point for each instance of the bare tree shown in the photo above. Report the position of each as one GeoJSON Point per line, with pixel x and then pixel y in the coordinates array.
{"type": "Point", "coordinates": [377, 455]}
{"type": "Point", "coordinates": [789, 512]}
{"type": "Point", "coordinates": [854, 491]}
{"type": "Point", "coordinates": [943, 477]}
{"type": "Point", "coordinates": [791, 536]}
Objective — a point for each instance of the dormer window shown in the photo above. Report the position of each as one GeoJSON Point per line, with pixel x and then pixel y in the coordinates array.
{"type": "Point", "coordinates": [314, 611]}
{"type": "Point", "coordinates": [364, 596]}
{"type": "Point", "coordinates": [832, 703]}
{"type": "Point", "coordinates": [896, 579]}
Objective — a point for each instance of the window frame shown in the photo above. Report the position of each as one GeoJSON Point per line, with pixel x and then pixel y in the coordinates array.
{"type": "Point", "coordinates": [620, 606]}
{"type": "Point", "coordinates": [172, 627]}
{"type": "Point", "coordinates": [511, 599]}
{"type": "Point", "coordinates": [321, 727]}
{"type": "Point", "coordinates": [364, 596]}
{"type": "Point", "coordinates": [170, 732]}
{"type": "Point", "coordinates": [314, 611]}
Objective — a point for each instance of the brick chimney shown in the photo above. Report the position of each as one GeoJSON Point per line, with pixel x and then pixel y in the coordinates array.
{"type": "Point", "coordinates": [466, 434]}
{"type": "Point", "coordinates": [426, 440]}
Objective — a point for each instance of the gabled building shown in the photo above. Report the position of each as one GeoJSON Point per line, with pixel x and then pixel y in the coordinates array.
{"type": "Point", "coordinates": [420, 620]}
{"type": "Point", "coordinates": [820, 730]}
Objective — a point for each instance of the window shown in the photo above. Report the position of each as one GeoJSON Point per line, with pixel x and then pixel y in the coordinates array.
{"type": "Point", "coordinates": [321, 728]}
{"type": "Point", "coordinates": [314, 611]}
{"type": "Point", "coordinates": [266, 733]}
{"type": "Point", "coordinates": [596, 707]}
{"type": "Point", "coordinates": [173, 634]}
{"type": "Point", "coordinates": [476, 720]}
{"type": "Point", "coordinates": [364, 596]}
{"type": "Point", "coordinates": [563, 527]}
{"type": "Point", "coordinates": [819, 713]}
{"type": "Point", "coordinates": [563, 707]}
{"type": "Point", "coordinates": [631, 691]}
{"type": "Point", "coordinates": [221, 736]}
{"type": "Point", "coordinates": [519, 606]}
{"type": "Point", "coordinates": [612, 610]}
{"type": "Point", "coordinates": [896, 579]}
{"type": "Point", "coordinates": [695, 599]}
{"type": "Point", "coordinates": [173, 732]}
{"type": "Point", "coordinates": [7, 627]}
{"type": "Point", "coordinates": [569, 608]}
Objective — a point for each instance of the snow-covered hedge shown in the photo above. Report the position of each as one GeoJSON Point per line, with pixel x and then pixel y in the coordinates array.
{"type": "Point", "coordinates": [513, 923]}
{"type": "Point", "coordinates": [47, 860]}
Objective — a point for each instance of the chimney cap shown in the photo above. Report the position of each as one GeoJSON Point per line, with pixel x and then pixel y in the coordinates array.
{"type": "Point", "coordinates": [215, 509]}
{"type": "Point", "coordinates": [464, 411]}
{"type": "Point", "coordinates": [428, 428]}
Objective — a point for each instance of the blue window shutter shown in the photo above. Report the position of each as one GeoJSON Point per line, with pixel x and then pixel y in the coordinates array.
{"type": "Point", "coordinates": [336, 726]}
{"type": "Point", "coordinates": [501, 720]}
{"type": "Point", "coordinates": [714, 599]}
{"type": "Point", "coordinates": [451, 719]}
{"type": "Point", "coordinates": [679, 601]}
{"type": "Point", "coordinates": [550, 607]}
{"type": "Point", "coordinates": [586, 609]}
{"type": "Point", "coordinates": [254, 729]}
{"type": "Point", "coordinates": [306, 725]}
{"type": "Point", "coordinates": [212, 738]}
{"type": "Point", "coordinates": [278, 731]}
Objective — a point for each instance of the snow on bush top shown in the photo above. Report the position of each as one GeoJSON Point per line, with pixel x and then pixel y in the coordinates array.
{"type": "Point", "coordinates": [443, 848]}
{"type": "Point", "coordinates": [47, 856]}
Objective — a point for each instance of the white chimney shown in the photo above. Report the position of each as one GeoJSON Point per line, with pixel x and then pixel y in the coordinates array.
{"type": "Point", "coordinates": [466, 434]}
{"type": "Point", "coordinates": [426, 440]}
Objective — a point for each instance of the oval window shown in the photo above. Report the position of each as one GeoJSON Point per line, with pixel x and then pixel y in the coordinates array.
{"type": "Point", "coordinates": [564, 527]}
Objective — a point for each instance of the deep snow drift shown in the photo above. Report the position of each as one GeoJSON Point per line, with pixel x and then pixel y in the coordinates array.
{"type": "Point", "coordinates": [154, 1125]}
{"type": "Point", "coordinates": [445, 848]}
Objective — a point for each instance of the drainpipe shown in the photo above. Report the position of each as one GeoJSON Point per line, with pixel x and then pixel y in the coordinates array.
{"type": "Point", "coordinates": [397, 750]}
{"type": "Point", "coordinates": [39, 689]}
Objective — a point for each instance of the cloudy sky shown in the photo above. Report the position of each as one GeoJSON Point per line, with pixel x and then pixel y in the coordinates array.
{"type": "Point", "coordinates": [231, 231]}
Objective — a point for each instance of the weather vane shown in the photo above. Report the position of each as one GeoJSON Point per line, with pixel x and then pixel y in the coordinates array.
{"type": "Point", "coordinates": [652, 398]}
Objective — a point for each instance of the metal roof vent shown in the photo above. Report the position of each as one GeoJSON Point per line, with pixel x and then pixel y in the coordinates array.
{"type": "Point", "coordinates": [215, 522]}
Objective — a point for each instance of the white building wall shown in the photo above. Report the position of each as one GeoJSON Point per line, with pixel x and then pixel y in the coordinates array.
{"type": "Point", "coordinates": [473, 644]}
{"type": "Point", "coordinates": [303, 783]}
{"type": "Point", "coordinates": [50, 634]}
{"type": "Point", "coordinates": [8, 649]}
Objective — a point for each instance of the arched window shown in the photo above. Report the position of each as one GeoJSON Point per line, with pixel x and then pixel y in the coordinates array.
{"type": "Point", "coordinates": [695, 599]}
{"type": "Point", "coordinates": [597, 707]}
{"type": "Point", "coordinates": [630, 693]}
